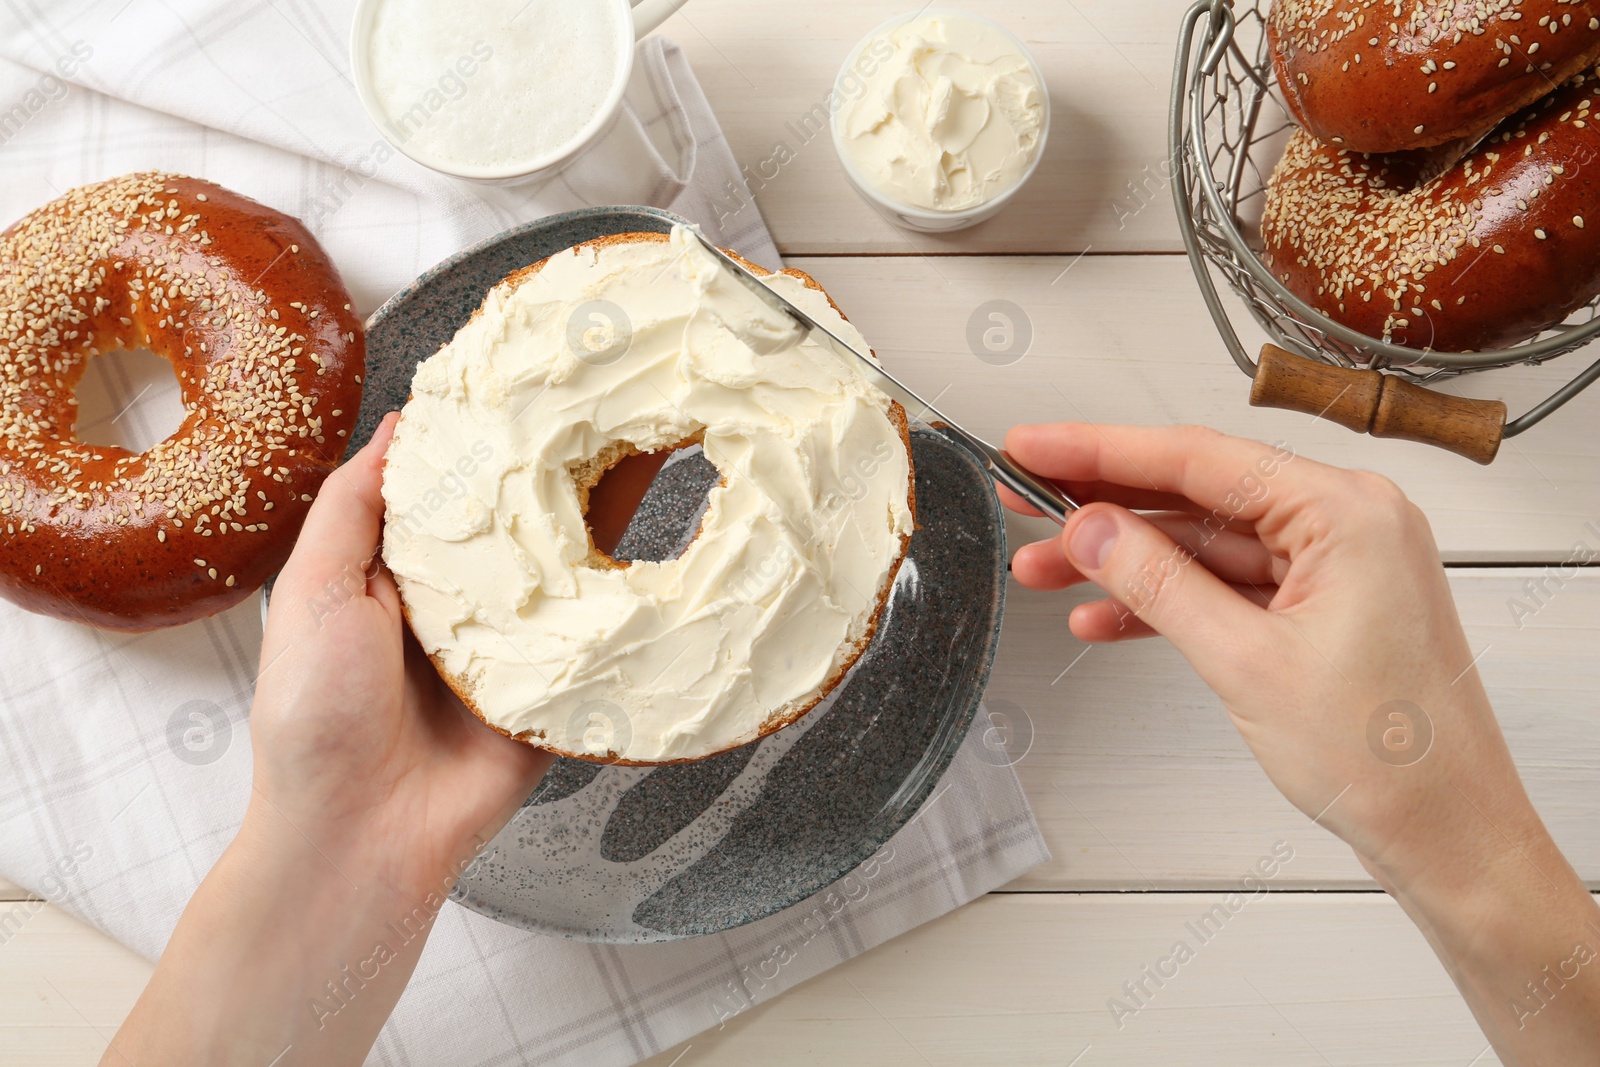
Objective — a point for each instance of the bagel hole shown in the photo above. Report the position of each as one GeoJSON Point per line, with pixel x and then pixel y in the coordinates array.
{"type": "Point", "coordinates": [128, 398]}
{"type": "Point", "coordinates": [647, 508]}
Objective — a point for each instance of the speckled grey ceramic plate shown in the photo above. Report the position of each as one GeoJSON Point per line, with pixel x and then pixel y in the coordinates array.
{"type": "Point", "coordinates": [626, 854]}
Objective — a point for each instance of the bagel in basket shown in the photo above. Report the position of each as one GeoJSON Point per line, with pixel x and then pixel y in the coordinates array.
{"type": "Point", "coordinates": [1482, 254]}
{"type": "Point", "coordinates": [1393, 75]}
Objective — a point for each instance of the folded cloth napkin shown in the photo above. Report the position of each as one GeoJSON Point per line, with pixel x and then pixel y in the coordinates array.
{"type": "Point", "coordinates": [110, 805]}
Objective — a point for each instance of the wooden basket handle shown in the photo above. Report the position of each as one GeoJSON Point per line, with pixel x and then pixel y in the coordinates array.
{"type": "Point", "coordinates": [1383, 405]}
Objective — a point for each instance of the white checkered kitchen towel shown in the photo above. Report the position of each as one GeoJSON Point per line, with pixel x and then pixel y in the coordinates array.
{"type": "Point", "coordinates": [97, 811]}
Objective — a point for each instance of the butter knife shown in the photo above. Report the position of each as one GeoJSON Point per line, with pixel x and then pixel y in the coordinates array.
{"type": "Point", "coordinates": [1040, 492]}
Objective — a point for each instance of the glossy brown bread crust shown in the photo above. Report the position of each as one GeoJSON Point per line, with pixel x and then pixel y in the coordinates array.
{"type": "Point", "coordinates": [269, 358]}
{"type": "Point", "coordinates": [1487, 254]}
{"type": "Point", "coordinates": [780, 717]}
{"type": "Point", "coordinates": [1392, 75]}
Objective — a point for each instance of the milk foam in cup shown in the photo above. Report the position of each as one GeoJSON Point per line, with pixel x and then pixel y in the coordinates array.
{"type": "Point", "coordinates": [496, 90]}
{"type": "Point", "coordinates": [939, 118]}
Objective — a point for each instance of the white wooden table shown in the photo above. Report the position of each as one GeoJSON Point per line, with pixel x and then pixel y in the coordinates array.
{"type": "Point", "coordinates": [1151, 804]}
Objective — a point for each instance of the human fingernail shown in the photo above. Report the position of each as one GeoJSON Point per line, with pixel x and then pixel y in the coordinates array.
{"type": "Point", "coordinates": [1092, 541]}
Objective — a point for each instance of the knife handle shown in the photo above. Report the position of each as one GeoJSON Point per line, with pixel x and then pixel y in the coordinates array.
{"type": "Point", "coordinates": [1042, 493]}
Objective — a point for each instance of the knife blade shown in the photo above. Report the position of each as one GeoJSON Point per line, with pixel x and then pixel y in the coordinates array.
{"type": "Point", "coordinates": [1042, 493]}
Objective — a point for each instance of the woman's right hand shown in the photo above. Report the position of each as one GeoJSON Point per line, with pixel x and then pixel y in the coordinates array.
{"type": "Point", "coordinates": [1313, 601]}
{"type": "Point", "coordinates": [1309, 598]}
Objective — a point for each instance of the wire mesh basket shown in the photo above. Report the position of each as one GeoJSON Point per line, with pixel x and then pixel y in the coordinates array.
{"type": "Point", "coordinates": [1228, 128]}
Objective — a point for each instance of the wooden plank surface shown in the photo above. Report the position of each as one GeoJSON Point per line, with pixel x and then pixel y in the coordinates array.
{"type": "Point", "coordinates": [1101, 184]}
{"type": "Point", "coordinates": [64, 988]}
{"type": "Point", "coordinates": [12, 891]}
{"type": "Point", "coordinates": [1292, 980]}
{"type": "Point", "coordinates": [1127, 339]}
{"type": "Point", "coordinates": [1289, 980]}
{"type": "Point", "coordinates": [1139, 781]}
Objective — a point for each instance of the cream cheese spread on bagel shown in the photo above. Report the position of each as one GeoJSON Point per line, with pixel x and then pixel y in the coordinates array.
{"type": "Point", "coordinates": [638, 343]}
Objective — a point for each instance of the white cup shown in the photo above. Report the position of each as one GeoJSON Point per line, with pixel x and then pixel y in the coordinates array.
{"type": "Point", "coordinates": [644, 15]}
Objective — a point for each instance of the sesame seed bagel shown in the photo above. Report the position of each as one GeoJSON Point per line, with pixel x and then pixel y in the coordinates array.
{"type": "Point", "coordinates": [511, 424]}
{"type": "Point", "coordinates": [1486, 254]}
{"type": "Point", "coordinates": [1392, 75]}
{"type": "Point", "coordinates": [256, 323]}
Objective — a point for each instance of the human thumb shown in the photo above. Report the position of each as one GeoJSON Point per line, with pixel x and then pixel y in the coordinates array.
{"type": "Point", "coordinates": [1157, 580]}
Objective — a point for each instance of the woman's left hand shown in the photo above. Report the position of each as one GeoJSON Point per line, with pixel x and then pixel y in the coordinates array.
{"type": "Point", "coordinates": [374, 788]}
{"type": "Point", "coordinates": [358, 743]}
